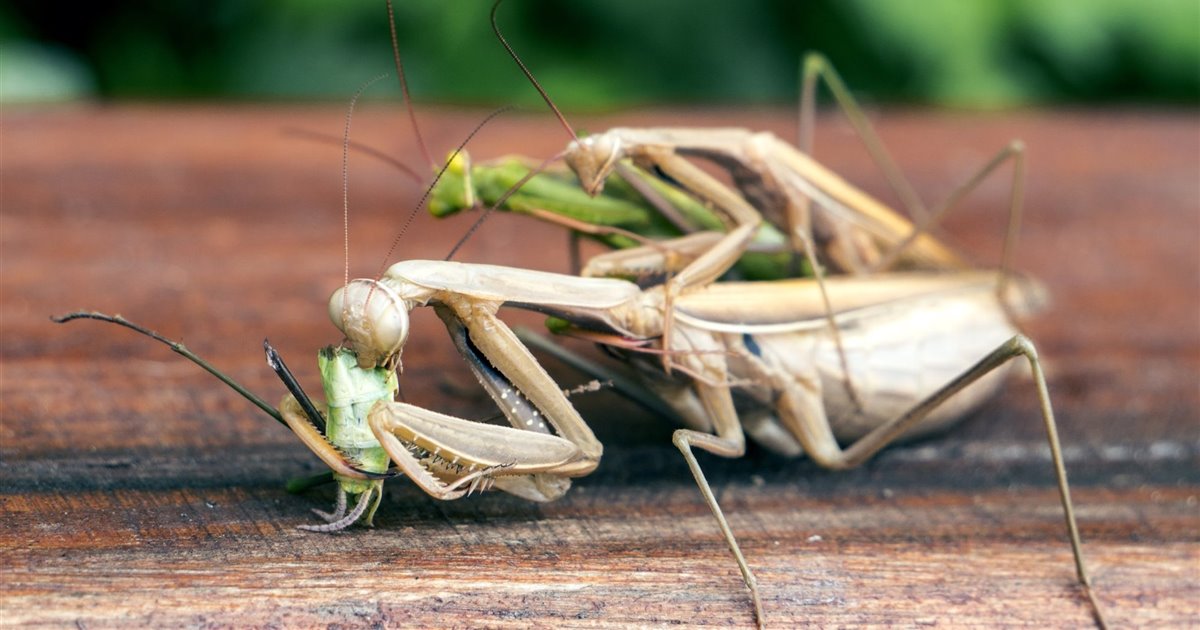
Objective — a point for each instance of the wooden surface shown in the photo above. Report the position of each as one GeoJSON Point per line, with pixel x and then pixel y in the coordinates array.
{"type": "Point", "coordinates": [137, 491]}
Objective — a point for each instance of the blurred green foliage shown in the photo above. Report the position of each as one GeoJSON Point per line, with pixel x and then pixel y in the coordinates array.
{"type": "Point", "coordinates": [595, 54]}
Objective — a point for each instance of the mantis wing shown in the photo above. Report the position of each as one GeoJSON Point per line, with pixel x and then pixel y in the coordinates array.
{"type": "Point", "coordinates": [795, 305]}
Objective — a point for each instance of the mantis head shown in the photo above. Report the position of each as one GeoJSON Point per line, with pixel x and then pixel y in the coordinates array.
{"type": "Point", "coordinates": [374, 319]}
{"type": "Point", "coordinates": [593, 159]}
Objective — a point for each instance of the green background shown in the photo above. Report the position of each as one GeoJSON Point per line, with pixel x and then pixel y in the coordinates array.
{"type": "Point", "coordinates": [598, 54]}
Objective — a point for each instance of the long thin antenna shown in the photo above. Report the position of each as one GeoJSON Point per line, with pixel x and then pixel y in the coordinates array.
{"type": "Point", "coordinates": [369, 151]}
{"type": "Point", "coordinates": [429, 190]}
{"type": "Point", "coordinates": [529, 75]}
{"type": "Point", "coordinates": [346, 181]}
{"type": "Point", "coordinates": [412, 115]}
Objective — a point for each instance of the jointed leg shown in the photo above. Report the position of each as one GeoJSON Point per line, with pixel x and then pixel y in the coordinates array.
{"type": "Point", "coordinates": [805, 234]}
{"type": "Point", "coordinates": [339, 509]}
{"type": "Point", "coordinates": [710, 265]}
{"type": "Point", "coordinates": [684, 440]}
{"type": "Point", "coordinates": [628, 387]}
{"type": "Point", "coordinates": [817, 66]}
{"type": "Point", "coordinates": [489, 336]}
{"type": "Point", "coordinates": [1014, 151]}
{"type": "Point", "coordinates": [666, 251]}
{"type": "Point", "coordinates": [811, 427]}
{"type": "Point", "coordinates": [729, 441]}
{"type": "Point", "coordinates": [373, 494]}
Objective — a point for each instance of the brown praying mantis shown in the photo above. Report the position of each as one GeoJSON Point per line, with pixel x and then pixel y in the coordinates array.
{"type": "Point", "coordinates": [784, 350]}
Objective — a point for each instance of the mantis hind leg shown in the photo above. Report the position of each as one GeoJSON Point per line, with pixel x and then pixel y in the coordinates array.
{"type": "Point", "coordinates": [812, 429]}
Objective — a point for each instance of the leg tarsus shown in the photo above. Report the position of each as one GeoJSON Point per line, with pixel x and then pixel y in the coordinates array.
{"type": "Point", "coordinates": [1097, 611]}
{"type": "Point", "coordinates": [339, 509]}
{"type": "Point", "coordinates": [364, 500]}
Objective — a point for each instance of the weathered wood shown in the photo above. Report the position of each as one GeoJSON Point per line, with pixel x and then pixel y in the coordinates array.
{"type": "Point", "coordinates": [137, 491]}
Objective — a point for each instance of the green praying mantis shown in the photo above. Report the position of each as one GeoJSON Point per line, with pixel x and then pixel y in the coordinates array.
{"type": "Point", "coordinates": [835, 366]}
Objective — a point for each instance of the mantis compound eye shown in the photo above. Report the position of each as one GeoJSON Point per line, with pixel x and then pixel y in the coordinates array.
{"type": "Point", "coordinates": [375, 320]}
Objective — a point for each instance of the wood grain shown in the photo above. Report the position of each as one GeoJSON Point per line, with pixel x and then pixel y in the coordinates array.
{"type": "Point", "coordinates": [138, 492]}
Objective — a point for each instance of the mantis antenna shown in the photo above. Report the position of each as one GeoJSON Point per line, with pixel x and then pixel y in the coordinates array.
{"type": "Point", "coordinates": [408, 104]}
{"type": "Point", "coordinates": [529, 75]}
{"type": "Point", "coordinates": [346, 180]}
{"type": "Point", "coordinates": [541, 167]}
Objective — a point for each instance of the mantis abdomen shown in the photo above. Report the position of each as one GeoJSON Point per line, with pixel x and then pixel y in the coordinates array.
{"type": "Point", "coordinates": [906, 352]}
